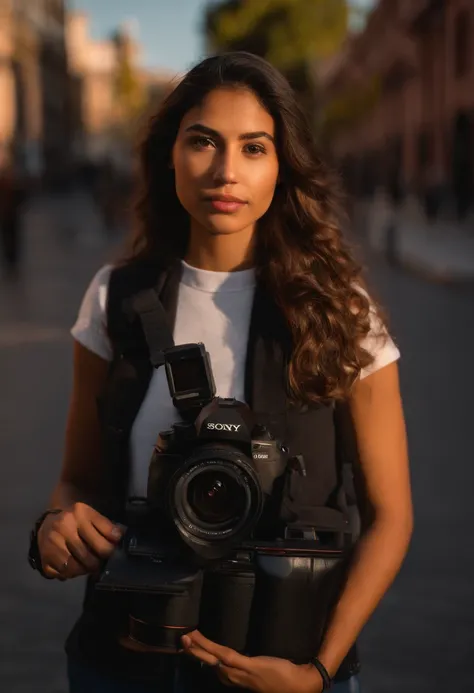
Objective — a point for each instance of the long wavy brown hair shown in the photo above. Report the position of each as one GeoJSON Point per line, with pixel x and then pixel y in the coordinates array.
{"type": "Point", "coordinates": [301, 257]}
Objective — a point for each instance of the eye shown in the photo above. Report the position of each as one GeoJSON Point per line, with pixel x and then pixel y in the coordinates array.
{"type": "Point", "coordinates": [201, 142]}
{"type": "Point", "coordinates": [255, 149]}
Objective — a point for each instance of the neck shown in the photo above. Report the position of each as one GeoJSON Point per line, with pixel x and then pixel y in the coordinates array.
{"type": "Point", "coordinates": [220, 252]}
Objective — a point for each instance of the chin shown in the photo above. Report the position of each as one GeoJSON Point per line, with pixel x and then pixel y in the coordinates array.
{"type": "Point", "coordinates": [225, 226]}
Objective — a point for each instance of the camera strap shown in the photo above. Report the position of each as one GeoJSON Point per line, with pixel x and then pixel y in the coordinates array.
{"type": "Point", "coordinates": [265, 374]}
{"type": "Point", "coordinates": [154, 321]}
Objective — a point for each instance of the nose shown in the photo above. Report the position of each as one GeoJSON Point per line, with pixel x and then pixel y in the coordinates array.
{"type": "Point", "coordinates": [225, 167]}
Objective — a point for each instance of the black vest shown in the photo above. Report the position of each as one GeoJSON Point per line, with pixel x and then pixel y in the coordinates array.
{"type": "Point", "coordinates": [321, 433]}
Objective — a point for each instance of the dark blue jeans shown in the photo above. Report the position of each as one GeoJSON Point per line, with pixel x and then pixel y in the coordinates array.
{"type": "Point", "coordinates": [85, 680]}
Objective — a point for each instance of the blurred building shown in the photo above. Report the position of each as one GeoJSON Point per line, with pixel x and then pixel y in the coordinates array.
{"type": "Point", "coordinates": [399, 103]}
{"type": "Point", "coordinates": [64, 95]}
{"type": "Point", "coordinates": [93, 66]}
{"type": "Point", "coordinates": [106, 80]}
{"type": "Point", "coordinates": [156, 85]}
{"type": "Point", "coordinates": [34, 125]}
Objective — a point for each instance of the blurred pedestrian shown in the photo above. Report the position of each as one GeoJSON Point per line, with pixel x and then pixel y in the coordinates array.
{"type": "Point", "coordinates": [12, 197]}
{"type": "Point", "coordinates": [238, 217]}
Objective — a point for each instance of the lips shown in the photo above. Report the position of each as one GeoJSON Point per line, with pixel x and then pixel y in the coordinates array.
{"type": "Point", "coordinates": [225, 204]}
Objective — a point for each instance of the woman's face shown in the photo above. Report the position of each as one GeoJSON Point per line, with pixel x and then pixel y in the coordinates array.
{"type": "Point", "coordinates": [225, 161]}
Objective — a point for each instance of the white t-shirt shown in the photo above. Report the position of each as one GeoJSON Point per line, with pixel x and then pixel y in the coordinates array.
{"type": "Point", "coordinates": [213, 308]}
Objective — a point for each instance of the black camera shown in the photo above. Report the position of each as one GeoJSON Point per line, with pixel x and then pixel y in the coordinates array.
{"type": "Point", "coordinates": [207, 548]}
{"type": "Point", "coordinates": [211, 478]}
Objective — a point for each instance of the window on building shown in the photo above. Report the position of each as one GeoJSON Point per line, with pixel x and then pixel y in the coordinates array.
{"type": "Point", "coordinates": [462, 43]}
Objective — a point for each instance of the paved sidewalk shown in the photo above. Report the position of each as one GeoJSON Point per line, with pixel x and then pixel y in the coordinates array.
{"type": "Point", "coordinates": [441, 251]}
{"type": "Point", "coordinates": [64, 246]}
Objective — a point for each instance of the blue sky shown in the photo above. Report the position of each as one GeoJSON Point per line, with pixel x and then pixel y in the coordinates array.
{"type": "Point", "coordinates": [168, 29]}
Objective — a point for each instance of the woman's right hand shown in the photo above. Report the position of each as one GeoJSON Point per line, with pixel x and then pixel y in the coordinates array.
{"type": "Point", "coordinates": [76, 541]}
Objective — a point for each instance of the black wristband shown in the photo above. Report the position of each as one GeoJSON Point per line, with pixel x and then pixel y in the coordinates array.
{"type": "Point", "coordinates": [324, 673]}
{"type": "Point", "coordinates": [34, 557]}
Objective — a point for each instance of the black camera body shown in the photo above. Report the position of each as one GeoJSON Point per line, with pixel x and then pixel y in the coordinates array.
{"type": "Point", "coordinates": [207, 548]}
{"type": "Point", "coordinates": [212, 478]}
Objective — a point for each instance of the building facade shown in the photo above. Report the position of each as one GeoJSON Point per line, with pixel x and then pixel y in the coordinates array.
{"type": "Point", "coordinates": [60, 104]}
{"type": "Point", "coordinates": [105, 76]}
{"type": "Point", "coordinates": [399, 103]}
{"type": "Point", "coordinates": [92, 68]}
{"type": "Point", "coordinates": [34, 86]}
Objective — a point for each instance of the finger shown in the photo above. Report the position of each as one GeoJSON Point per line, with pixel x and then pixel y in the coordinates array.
{"type": "Point", "coordinates": [82, 554]}
{"type": "Point", "coordinates": [52, 574]}
{"type": "Point", "coordinates": [70, 544]}
{"type": "Point", "coordinates": [56, 556]}
{"type": "Point", "coordinates": [66, 565]}
{"type": "Point", "coordinates": [73, 569]}
{"type": "Point", "coordinates": [95, 541]}
{"type": "Point", "coordinates": [104, 526]}
{"type": "Point", "coordinates": [226, 655]}
{"type": "Point", "coordinates": [227, 675]}
{"type": "Point", "coordinates": [201, 655]}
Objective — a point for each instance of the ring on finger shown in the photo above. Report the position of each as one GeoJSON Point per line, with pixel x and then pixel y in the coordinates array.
{"type": "Point", "coordinates": [64, 565]}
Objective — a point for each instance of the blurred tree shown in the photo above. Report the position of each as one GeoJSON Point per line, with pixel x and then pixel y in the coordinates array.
{"type": "Point", "coordinates": [286, 32]}
{"type": "Point", "coordinates": [350, 105]}
{"type": "Point", "coordinates": [129, 88]}
{"type": "Point", "coordinates": [292, 34]}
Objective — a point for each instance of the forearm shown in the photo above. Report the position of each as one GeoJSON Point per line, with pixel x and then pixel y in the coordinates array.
{"type": "Point", "coordinates": [375, 564]}
{"type": "Point", "coordinates": [67, 493]}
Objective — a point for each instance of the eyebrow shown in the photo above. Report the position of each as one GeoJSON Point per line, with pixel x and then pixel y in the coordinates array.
{"type": "Point", "coordinates": [203, 129]}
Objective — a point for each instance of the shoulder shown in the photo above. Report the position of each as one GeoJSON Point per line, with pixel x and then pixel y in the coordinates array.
{"type": "Point", "coordinates": [101, 281]}
{"type": "Point", "coordinates": [100, 322]}
{"type": "Point", "coordinates": [126, 279]}
{"type": "Point", "coordinates": [90, 328]}
{"type": "Point", "coordinates": [378, 342]}
{"type": "Point", "coordinates": [95, 298]}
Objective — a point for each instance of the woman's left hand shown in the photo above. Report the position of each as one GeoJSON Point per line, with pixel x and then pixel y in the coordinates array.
{"type": "Point", "coordinates": [260, 674]}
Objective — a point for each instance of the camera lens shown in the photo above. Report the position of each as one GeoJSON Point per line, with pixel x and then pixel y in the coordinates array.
{"type": "Point", "coordinates": [216, 497]}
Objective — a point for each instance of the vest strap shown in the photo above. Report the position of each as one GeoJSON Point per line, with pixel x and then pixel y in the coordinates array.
{"type": "Point", "coordinates": [154, 322]}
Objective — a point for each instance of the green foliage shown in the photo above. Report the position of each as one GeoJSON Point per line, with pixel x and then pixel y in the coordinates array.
{"type": "Point", "coordinates": [128, 88]}
{"type": "Point", "coordinates": [352, 104]}
{"type": "Point", "coordinates": [286, 32]}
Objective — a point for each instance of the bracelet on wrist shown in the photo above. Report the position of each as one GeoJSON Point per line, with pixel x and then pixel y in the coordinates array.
{"type": "Point", "coordinates": [34, 557]}
{"type": "Point", "coordinates": [327, 683]}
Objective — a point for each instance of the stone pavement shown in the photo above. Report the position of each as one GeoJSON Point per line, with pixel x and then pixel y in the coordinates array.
{"type": "Point", "coordinates": [64, 247]}
{"type": "Point", "coordinates": [441, 251]}
{"type": "Point", "coordinates": [421, 638]}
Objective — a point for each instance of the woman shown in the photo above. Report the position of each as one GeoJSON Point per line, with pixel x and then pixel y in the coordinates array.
{"type": "Point", "coordinates": [231, 184]}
